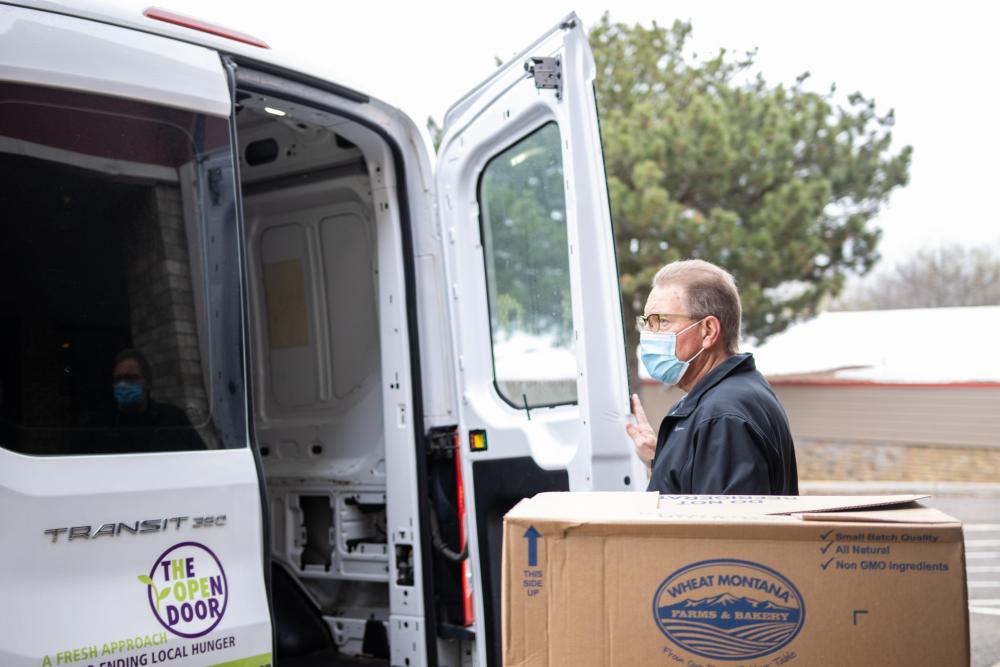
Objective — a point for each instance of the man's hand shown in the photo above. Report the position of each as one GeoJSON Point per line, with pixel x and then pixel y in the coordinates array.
{"type": "Point", "coordinates": [642, 433]}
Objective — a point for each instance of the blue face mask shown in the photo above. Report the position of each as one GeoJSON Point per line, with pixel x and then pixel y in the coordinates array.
{"type": "Point", "coordinates": [658, 351]}
{"type": "Point", "coordinates": [129, 393]}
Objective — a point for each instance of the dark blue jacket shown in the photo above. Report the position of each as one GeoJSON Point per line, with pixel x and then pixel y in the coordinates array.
{"type": "Point", "coordinates": [729, 435]}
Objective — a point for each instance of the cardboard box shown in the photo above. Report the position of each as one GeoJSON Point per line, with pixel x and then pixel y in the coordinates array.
{"type": "Point", "coordinates": [641, 579]}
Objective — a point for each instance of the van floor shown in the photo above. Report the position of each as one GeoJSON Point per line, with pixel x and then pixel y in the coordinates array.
{"type": "Point", "coordinates": [302, 637]}
{"type": "Point", "coordinates": [330, 658]}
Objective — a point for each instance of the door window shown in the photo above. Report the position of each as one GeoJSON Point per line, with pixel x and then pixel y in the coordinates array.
{"type": "Point", "coordinates": [120, 324]}
{"type": "Point", "coordinates": [522, 202]}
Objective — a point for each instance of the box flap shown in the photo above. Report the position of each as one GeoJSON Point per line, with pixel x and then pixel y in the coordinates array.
{"type": "Point", "coordinates": [918, 514]}
{"type": "Point", "coordinates": [584, 506]}
{"type": "Point", "coordinates": [580, 508]}
{"type": "Point", "coordinates": [778, 505]}
{"type": "Point", "coordinates": [851, 503]}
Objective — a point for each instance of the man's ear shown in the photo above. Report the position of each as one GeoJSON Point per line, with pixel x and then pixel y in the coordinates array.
{"type": "Point", "coordinates": [711, 331]}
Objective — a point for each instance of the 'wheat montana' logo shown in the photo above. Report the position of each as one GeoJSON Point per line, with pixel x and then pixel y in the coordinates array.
{"type": "Point", "coordinates": [728, 609]}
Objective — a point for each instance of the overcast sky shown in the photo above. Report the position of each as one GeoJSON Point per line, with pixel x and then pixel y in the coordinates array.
{"type": "Point", "coordinates": [933, 63]}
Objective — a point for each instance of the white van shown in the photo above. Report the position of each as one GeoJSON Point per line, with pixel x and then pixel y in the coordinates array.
{"type": "Point", "coordinates": [268, 380]}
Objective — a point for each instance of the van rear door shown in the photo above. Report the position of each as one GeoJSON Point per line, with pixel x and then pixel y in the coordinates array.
{"type": "Point", "coordinates": [534, 294]}
{"type": "Point", "coordinates": [130, 506]}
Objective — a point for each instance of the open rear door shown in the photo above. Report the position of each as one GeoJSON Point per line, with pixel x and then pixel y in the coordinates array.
{"type": "Point", "coordinates": [535, 300]}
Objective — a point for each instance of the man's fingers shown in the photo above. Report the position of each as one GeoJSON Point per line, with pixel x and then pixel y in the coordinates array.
{"type": "Point", "coordinates": [641, 432]}
{"type": "Point", "coordinates": [640, 414]}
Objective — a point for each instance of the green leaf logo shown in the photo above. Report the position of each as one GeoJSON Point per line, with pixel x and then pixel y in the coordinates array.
{"type": "Point", "coordinates": [159, 595]}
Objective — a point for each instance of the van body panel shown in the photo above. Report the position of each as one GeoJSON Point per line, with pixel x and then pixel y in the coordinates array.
{"type": "Point", "coordinates": [105, 59]}
{"type": "Point", "coordinates": [123, 537]}
{"type": "Point", "coordinates": [130, 15]}
{"type": "Point", "coordinates": [84, 593]}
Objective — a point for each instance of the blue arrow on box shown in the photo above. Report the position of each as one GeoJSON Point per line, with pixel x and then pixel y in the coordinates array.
{"type": "Point", "coordinates": [532, 536]}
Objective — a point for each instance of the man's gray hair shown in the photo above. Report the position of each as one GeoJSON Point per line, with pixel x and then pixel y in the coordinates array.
{"type": "Point", "coordinates": [708, 290]}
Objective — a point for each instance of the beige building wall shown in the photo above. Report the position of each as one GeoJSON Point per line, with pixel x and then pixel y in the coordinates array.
{"type": "Point", "coordinates": [882, 432]}
{"type": "Point", "coordinates": [953, 416]}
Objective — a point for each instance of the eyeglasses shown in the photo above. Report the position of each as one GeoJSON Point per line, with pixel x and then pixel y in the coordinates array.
{"type": "Point", "coordinates": [657, 321]}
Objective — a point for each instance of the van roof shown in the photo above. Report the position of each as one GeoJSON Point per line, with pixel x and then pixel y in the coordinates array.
{"type": "Point", "coordinates": [129, 14]}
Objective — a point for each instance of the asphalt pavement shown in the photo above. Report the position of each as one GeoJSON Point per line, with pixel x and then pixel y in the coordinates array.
{"type": "Point", "coordinates": [978, 507]}
{"type": "Point", "coordinates": [981, 523]}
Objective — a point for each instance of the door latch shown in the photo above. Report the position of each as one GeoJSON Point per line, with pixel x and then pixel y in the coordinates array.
{"type": "Point", "coordinates": [547, 73]}
{"type": "Point", "coordinates": [215, 184]}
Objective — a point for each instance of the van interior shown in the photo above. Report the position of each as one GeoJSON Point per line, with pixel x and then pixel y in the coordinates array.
{"type": "Point", "coordinates": [311, 243]}
{"type": "Point", "coordinates": [314, 241]}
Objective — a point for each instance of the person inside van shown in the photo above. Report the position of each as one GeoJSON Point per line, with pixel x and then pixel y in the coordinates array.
{"type": "Point", "coordinates": [140, 423]}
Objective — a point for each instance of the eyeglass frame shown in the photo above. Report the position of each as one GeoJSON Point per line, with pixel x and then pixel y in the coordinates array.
{"type": "Point", "coordinates": [642, 320]}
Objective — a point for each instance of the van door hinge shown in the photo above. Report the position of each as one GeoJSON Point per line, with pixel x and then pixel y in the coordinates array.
{"type": "Point", "coordinates": [547, 73]}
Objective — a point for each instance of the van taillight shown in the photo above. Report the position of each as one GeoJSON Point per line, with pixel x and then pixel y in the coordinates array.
{"type": "Point", "coordinates": [468, 608]}
{"type": "Point", "coordinates": [203, 26]}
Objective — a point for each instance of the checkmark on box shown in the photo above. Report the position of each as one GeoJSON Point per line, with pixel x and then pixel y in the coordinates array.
{"type": "Point", "coordinates": [826, 564]}
{"type": "Point", "coordinates": [825, 535]}
{"type": "Point", "coordinates": [827, 547]}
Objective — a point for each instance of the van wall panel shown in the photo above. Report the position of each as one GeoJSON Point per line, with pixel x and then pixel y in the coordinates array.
{"type": "Point", "coordinates": [294, 373]}
{"type": "Point", "coordinates": [347, 252]}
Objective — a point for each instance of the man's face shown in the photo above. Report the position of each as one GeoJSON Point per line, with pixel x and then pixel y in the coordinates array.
{"type": "Point", "coordinates": [126, 377]}
{"type": "Point", "coordinates": [669, 301]}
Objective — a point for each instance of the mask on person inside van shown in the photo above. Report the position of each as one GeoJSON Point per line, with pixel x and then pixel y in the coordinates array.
{"type": "Point", "coordinates": [128, 393]}
{"type": "Point", "coordinates": [658, 351]}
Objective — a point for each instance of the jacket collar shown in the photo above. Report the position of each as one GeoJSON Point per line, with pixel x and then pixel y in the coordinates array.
{"type": "Point", "coordinates": [738, 363]}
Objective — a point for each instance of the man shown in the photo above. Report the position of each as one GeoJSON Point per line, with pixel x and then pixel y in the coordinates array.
{"type": "Point", "coordinates": [729, 434]}
{"type": "Point", "coordinates": [141, 424]}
